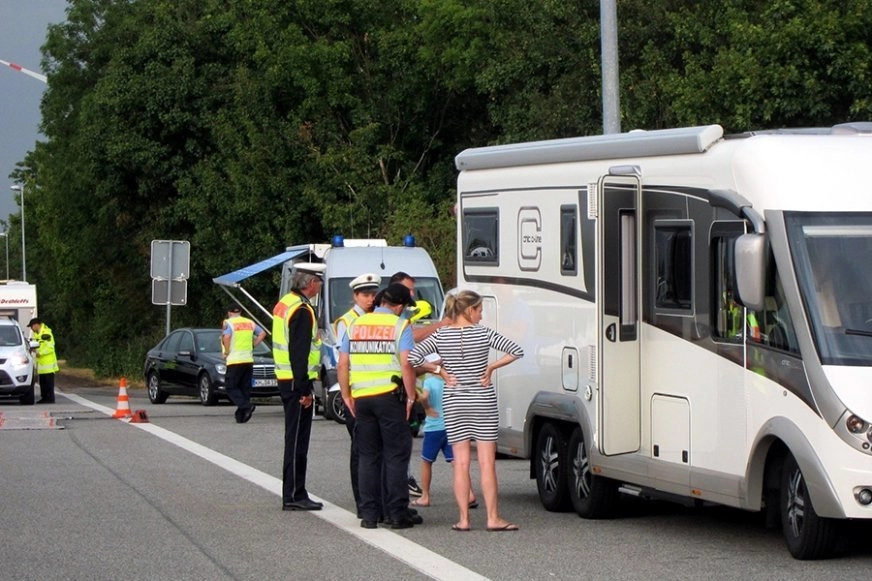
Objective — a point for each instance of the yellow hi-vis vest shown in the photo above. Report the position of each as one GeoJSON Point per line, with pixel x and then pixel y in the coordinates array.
{"type": "Point", "coordinates": [282, 314]}
{"type": "Point", "coordinates": [347, 318]}
{"type": "Point", "coordinates": [241, 340]}
{"type": "Point", "coordinates": [373, 346]}
{"type": "Point", "coordinates": [46, 358]}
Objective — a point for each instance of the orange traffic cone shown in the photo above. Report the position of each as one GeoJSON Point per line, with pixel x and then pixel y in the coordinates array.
{"type": "Point", "coordinates": [123, 408]}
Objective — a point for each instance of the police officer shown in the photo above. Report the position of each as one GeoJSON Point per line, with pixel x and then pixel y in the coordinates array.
{"type": "Point", "coordinates": [373, 354]}
{"type": "Point", "coordinates": [364, 288]}
{"type": "Point", "coordinates": [297, 354]}
{"type": "Point", "coordinates": [239, 338]}
{"type": "Point", "coordinates": [46, 359]}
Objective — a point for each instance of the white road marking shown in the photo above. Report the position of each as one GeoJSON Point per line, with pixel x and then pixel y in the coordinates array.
{"type": "Point", "coordinates": [400, 548]}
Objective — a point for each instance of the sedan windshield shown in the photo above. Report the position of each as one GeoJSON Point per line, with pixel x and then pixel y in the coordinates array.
{"type": "Point", "coordinates": [831, 253]}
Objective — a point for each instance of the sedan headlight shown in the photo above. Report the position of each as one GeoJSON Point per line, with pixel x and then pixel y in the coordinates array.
{"type": "Point", "coordinates": [221, 368]}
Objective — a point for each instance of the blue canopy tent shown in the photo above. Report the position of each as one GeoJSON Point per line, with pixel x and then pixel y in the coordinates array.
{"type": "Point", "coordinates": [233, 280]}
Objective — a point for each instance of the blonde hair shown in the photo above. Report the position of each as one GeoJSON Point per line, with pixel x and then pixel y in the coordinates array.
{"type": "Point", "coordinates": [457, 303]}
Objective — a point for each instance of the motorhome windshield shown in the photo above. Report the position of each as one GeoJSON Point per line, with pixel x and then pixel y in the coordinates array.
{"type": "Point", "coordinates": [831, 256]}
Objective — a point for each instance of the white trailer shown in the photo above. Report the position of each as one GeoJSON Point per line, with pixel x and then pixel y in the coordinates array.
{"type": "Point", "coordinates": [696, 312]}
{"type": "Point", "coordinates": [18, 301]}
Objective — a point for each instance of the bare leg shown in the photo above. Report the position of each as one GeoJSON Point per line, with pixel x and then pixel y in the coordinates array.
{"type": "Point", "coordinates": [487, 457]}
{"type": "Point", "coordinates": [426, 479]}
{"type": "Point", "coordinates": [462, 485]}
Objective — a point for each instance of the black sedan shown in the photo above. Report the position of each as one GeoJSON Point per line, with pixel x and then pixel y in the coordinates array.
{"type": "Point", "coordinates": [189, 362]}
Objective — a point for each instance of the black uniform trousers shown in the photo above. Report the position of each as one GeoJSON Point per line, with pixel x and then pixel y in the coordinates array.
{"type": "Point", "coordinates": [46, 387]}
{"type": "Point", "coordinates": [298, 428]}
{"type": "Point", "coordinates": [354, 466]}
{"type": "Point", "coordinates": [384, 443]}
{"type": "Point", "coordinates": [237, 382]}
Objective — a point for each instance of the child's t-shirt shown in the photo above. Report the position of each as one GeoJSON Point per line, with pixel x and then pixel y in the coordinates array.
{"type": "Point", "coordinates": [434, 386]}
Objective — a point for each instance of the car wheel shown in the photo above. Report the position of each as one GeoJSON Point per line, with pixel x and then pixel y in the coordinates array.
{"type": "Point", "coordinates": [206, 390]}
{"type": "Point", "coordinates": [592, 496]}
{"type": "Point", "coordinates": [155, 393]}
{"type": "Point", "coordinates": [28, 398]}
{"type": "Point", "coordinates": [550, 465]}
{"type": "Point", "coordinates": [335, 408]}
{"type": "Point", "coordinates": [808, 535]}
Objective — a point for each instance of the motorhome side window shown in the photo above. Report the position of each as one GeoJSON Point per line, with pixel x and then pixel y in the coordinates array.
{"type": "Point", "coordinates": [773, 326]}
{"type": "Point", "coordinates": [727, 314]}
{"type": "Point", "coordinates": [674, 265]}
{"type": "Point", "coordinates": [568, 244]}
{"type": "Point", "coordinates": [481, 229]}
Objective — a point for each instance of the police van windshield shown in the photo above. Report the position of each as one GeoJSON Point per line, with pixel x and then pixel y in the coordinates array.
{"type": "Point", "coordinates": [340, 300]}
{"type": "Point", "coordinates": [831, 256]}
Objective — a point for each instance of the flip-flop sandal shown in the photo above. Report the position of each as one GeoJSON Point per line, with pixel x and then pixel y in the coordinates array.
{"type": "Point", "coordinates": [459, 528]}
{"type": "Point", "coordinates": [473, 504]}
{"type": "Point", "coordinates": [506, 528]}
{"type": "Point", "coordinates": [418, 504]}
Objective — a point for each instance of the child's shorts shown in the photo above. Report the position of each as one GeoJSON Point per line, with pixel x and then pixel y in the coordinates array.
{"type": "Point", "coordinates": [433, 442]}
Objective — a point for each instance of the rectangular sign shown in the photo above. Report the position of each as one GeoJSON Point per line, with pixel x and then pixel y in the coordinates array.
{"type": "Point", "coordinates": [170, 259]}
{"type": "Point", "coordinates": [174, 292]}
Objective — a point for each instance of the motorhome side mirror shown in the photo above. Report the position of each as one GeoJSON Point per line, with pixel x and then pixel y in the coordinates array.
{"type": "Point", "coordinates": [751, 253]}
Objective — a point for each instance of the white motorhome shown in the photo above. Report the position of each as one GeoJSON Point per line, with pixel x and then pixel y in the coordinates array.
{"type": "Point", "coordinates": [345, 259]}
{"type": "Point", "coordinates": [696, 312]}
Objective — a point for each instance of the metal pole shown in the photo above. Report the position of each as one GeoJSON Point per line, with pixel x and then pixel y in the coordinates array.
{"type": "Point", "coordinates": [20, 188]}
{"type": "Point", "coordinates": [611, 78]}
{"type": "Point", "coordinates": [169, 285]}
{"type": "Point", "coordinates": [6, 237]}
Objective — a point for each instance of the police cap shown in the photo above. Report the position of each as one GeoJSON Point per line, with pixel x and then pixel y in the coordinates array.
{"type": "Point", "coordinates": [368, 281]}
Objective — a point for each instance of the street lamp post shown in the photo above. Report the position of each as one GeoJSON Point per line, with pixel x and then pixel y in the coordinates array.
{"type": "Point", "coordinates": [20, 188]}
{"type": "Point", "coordinates": [5, 236]}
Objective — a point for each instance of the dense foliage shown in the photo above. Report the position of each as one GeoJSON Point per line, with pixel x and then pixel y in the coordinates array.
{"type": "Point", "coordinates": [245, 126]}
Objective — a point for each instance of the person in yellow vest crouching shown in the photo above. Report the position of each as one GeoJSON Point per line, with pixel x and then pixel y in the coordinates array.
{"type": "Point", "coordinates": [378, 388]}
{"type": "Point", "coordinates": [239, 338]}
{"type": "Point", "coordinates": [297, 354]}
{"type": "Point", "coordinates": [46, 359]}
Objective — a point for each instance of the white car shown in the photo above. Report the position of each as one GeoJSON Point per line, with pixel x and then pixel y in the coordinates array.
{"type": "Point", "coordinates": [17, 373]}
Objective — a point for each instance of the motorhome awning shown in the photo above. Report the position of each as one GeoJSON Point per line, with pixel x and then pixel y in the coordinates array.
{"type": "Point", "coordinates": [233, 279]}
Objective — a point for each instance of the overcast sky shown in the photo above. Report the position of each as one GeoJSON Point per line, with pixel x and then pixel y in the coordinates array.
{"type": "Point", "coordinates": [23, 27]}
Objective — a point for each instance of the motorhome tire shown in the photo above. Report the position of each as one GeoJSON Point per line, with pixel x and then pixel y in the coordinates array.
{"type": "Point", "coordinates": [551, 463]}
{"type": "Point", "coordinates": [155, 393]}
{"type": "Point", "coordinates": [808, 535]}
{"type": "Point", "coordinates": [206, 390]}
{"type": "Point", "coordinates": [592, 496]}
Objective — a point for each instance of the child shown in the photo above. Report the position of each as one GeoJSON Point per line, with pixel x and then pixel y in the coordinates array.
{"type": "Point", "coordinates": [435, 438]}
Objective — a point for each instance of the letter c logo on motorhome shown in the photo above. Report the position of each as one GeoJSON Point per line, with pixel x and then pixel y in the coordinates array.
{"type": "Point", "coordinates": [529, 239]}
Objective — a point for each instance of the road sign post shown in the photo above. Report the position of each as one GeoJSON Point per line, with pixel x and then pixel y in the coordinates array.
{"type": "Point", "coordinates": [170, 268]}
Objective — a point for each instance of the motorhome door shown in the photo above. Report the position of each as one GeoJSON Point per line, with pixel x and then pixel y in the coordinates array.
{"type": "Point", "coordinates": [618, 284]}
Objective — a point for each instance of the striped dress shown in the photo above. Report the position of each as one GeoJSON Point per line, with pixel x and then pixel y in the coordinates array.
{"type": "Point", "coordinates": [470, 408]}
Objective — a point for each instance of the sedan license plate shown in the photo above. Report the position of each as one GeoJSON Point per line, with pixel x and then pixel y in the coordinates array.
{"type": "Point", "coordinates": [265, 383]}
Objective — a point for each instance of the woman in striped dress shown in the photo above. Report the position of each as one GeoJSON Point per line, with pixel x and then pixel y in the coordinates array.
{"type": "Point", "coordinates": [469, 400]}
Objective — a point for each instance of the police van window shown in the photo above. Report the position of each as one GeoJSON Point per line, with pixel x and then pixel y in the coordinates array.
{"type": "Point", "coordinates": [673, 265]}
{"type": "Point", "coordinates": [481, 236]}
{"type": "Point", "coordinates": [568, 237]}
{"type": "Point", "coordinates": [727, 315]}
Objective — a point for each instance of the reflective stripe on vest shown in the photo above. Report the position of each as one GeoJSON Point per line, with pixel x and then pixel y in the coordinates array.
{"type": "Point", "coordinates": [241, 340]}
{"type": "Point", "coordinates": [282, 314]}
{"type": "Point", "coordinates": [374, 344]}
